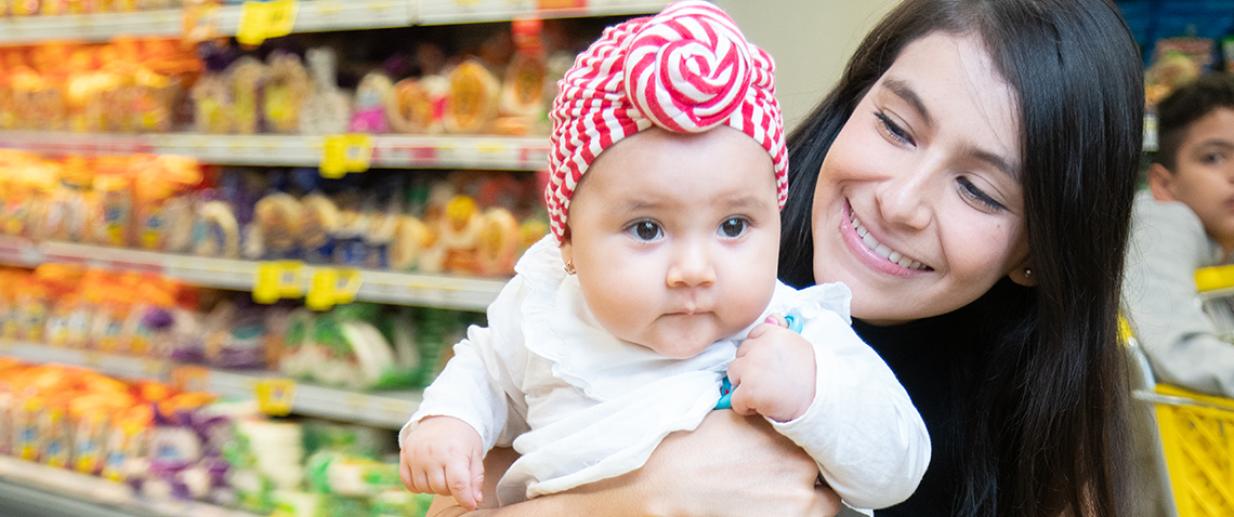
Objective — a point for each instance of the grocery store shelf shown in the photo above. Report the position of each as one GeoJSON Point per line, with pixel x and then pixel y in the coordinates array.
{"type": "Point", "coordinates": [32, 489]}
{"type": "Point", "coordinates": [90, 27]}
{"type": "Point", "coordinates": [446, 292]}
{"type": "Point", "coordinates": [313, 16]}
{"type": "Point", "coordinates": [443, 12]}
{"type": "Point", "coordinates": [389, 409]}
{"type": "Point", "coordinates": [389, 151]}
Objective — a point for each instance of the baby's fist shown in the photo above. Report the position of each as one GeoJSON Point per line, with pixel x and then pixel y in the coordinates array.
{"type": "Point", "coordinates": [444, 456]}
{"type": "Point", "coordinates": [773, 374]}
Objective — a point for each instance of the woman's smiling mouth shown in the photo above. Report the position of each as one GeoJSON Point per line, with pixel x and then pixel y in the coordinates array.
{"type": "Point", "coordinates": [888, 259]}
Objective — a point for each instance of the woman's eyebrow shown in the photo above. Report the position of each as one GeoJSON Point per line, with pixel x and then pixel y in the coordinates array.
{"type": "Point", "coordinates": [902, 90]}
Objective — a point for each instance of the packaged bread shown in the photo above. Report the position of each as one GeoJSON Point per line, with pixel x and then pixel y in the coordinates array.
{"type": "Point", "coordinates": [420, 105]}
{"type": "Point", "coordinates": [472, 103]}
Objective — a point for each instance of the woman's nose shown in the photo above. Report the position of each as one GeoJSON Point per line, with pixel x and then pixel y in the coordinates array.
{"type": "Point", "coordinates": [906, 199]}
{"type": "Point", "coordinates": [691, 266]}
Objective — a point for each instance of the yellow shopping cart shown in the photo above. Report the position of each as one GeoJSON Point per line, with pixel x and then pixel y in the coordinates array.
{"type": "Point", "coordinates": [1195, 433]}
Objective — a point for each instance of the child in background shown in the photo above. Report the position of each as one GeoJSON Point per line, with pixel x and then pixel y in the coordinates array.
{"type": "Point", "coordinates": [1185, 221]}
{"type": "Point", "coordinates": [660, 275]}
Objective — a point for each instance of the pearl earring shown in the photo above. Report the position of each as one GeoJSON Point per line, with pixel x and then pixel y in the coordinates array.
{"type": "Point", "coordinates": [1028, 272]}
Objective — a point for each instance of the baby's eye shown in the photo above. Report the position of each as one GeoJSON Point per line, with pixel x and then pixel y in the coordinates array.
{"type": "Point", "coordinates": [734, 227]}
{"type": "Point", "coordinates": [645, 231]}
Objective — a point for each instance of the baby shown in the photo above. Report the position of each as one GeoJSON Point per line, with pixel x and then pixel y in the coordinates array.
{"type": "Point", "coordinates": [668, 172]}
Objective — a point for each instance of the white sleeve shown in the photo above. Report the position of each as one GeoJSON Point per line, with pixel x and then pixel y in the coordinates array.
{"type": "Point", "coordinates": [477, 385]}
{"type": "Point", "coordinates": [1182, 342]}
{"type": "Point", "coordinates": [862, 429]}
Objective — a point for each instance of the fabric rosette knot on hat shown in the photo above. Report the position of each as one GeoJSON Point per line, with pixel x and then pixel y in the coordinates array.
{"type": "Point", "coordinates": [688, 69]}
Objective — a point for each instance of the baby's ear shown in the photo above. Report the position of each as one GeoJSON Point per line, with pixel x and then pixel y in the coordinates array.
{"type": "Point", "coordinates": [567, 249]}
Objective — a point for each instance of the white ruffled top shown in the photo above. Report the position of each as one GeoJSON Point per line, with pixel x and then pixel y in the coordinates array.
{"type": "Point", "coordinates": [581, 405]}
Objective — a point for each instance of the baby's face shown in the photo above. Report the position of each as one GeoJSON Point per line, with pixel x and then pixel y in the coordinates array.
{"type": "Point", "coordinates": [675, 238]}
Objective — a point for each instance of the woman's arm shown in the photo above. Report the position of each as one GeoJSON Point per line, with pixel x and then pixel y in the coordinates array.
{"type": "Point", "coordinates": [730, 465]}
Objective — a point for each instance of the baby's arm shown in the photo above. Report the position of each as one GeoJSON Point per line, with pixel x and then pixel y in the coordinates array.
{"type": "Point", "coordinates": [444, 456]}
{"type": "Point", "coordinates": [471, 406]}
{"type": "Point", "coordinates": [859, 424]}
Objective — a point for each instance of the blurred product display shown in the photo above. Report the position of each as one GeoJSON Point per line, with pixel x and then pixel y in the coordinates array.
{"type": "Point", "coordinates": [238, 238]}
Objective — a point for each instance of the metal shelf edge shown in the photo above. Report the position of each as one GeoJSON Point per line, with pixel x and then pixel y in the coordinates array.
{"type": "Point", "coordinates": [388, 410]}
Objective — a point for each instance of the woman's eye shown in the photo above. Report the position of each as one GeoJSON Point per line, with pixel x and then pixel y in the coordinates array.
{"type": "Point", "coordinates": [645, 231]}
{"type": "Point", "coordinates": [893, 129]}
{"type": "Point", "coordinates": [733, 227]}
{"type": "Point", "coordinates": [974, 193]}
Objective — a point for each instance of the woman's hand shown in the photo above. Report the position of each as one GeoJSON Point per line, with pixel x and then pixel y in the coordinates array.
{"type": "Point", "coordinates": [731, 465]}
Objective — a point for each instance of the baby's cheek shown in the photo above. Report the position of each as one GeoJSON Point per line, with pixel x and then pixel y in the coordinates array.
{"type": "Point", "coordinates": [746, 307]}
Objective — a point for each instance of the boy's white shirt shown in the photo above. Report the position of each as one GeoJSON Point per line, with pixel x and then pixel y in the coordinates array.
{"type": "Point", "coordinates": [580, 405]}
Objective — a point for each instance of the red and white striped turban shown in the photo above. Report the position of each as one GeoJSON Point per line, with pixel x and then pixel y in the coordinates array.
{"type": "Point", "coordinates": [687, 70]}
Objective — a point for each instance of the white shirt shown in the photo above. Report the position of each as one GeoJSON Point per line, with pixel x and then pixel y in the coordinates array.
{"type": "Point", "coordinates": [581, 405]}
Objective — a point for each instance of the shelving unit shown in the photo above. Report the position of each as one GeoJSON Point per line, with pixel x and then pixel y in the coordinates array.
{"type": "Point", "coordinates": [442, 291]}
{"type": "Point", "coordinates": [389, 151]}
{"type": "Point", "coordinates": [387, 410]}
{"type": "Point", "coordinates": [31, 489]}
{"type": "Point", "coordinates": [313, 16]}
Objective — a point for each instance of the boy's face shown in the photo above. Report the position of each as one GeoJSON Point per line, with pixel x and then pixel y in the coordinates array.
{"type": "Point", "coordinates": [1203, 178]}
{"type": "Point", "coordinates": [675, 238]}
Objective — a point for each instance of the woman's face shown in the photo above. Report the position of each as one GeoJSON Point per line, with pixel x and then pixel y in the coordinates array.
{"type": "Point", "coordinates": [919, 207]}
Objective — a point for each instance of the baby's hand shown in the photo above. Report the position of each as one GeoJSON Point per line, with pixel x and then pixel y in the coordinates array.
{"type": "Point", "coordinates": [773, 374]}
{"type": "Point", "coordinates": [443, 455]}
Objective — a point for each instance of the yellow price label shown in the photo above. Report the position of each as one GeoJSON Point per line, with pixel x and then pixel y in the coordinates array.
{"type": "Point", "coordinates": [276, 280]}
{"type": "Point", "coordinates": [332, 287]}
{"type": "Point", "coordinates": [490, 148]}
{"type": "Point", "coordinates": [344, 154]}
{"type": "Point", "coordinates": [275, 397]}
{"type": "Point", "coordinates": [260, 21]}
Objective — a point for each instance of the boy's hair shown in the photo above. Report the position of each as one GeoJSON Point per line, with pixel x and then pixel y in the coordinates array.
{"type": "Point", "coordinates": [1181, 109]}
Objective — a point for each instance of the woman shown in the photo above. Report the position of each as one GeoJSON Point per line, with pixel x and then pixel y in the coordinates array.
{"type": "Point", "coordinates": [970, 178]}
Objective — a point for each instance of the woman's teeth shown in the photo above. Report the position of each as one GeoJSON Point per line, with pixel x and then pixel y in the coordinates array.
{"type": "Point", "coordinates": [882, 250]}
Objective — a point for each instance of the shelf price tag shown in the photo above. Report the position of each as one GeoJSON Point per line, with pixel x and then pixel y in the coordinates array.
{"type": "Point", "coordinates": [332, 287]}
{"type": "Point", "coordinates": [275, 396]}
{"type": "Point", "coordinates": [343, 154]}
{"type": "Point", "coordinates": [260, 21]}
{"type": "Point", "coordinates": [276, 280]}
{"type": "Point", "coordinates": [189, 379]}
{"type": "Point", "coordinates": [548, 5]}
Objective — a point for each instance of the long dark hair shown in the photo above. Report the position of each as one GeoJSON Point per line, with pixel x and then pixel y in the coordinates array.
{"type": "Point", "coordinates": [1046, 435]}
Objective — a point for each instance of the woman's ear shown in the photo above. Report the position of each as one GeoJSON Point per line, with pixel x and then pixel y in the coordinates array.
{"type": "Point", "coordinates": [1023, 274]}
{"type": "Point", "coordinates": [1161, 182]}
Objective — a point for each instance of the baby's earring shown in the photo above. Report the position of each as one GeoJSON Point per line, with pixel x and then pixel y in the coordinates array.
{"type": "Point", "coordinates": [1028, 272]}
{"type": "Point", "coordinates": [570, 267]}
